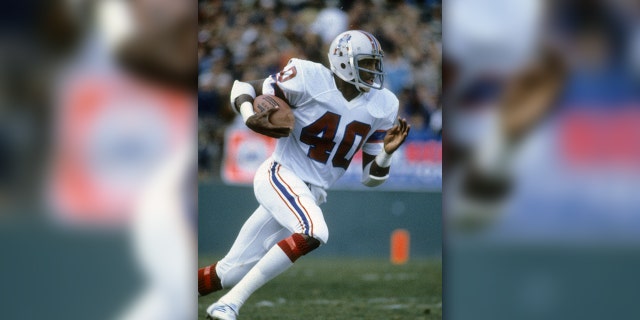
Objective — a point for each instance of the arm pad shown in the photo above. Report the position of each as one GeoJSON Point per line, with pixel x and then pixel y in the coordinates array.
{"type": "Point", "coordinates": [370, 180]}
{"type": "Point", "coordinates": [239, 88]}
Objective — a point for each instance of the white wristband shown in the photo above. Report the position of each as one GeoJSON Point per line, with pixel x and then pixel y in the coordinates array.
{"type": "Point", "coordinates": [246, 110]}
{"type": "Point", "coordinates": [383, 159]}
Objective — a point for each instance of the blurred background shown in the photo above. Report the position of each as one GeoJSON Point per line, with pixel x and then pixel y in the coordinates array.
{"type": "Point", "coordinates": [541, 159]}
{"type": "Point", "coordinates": [97, 159]}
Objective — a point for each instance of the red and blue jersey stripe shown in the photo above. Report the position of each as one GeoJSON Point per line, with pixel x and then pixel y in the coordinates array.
{"type": "Point", "coordinates": [377, 136]}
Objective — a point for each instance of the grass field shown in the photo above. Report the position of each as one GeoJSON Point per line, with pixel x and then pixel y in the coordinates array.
{"type": "Point", "coordinates": [322, 288]}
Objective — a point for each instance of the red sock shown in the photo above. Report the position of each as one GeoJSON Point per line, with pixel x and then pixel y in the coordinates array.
{"type": "Point", "coordinates": [295, 246]}
{"type": "Point", "coordinates": [208, 280]}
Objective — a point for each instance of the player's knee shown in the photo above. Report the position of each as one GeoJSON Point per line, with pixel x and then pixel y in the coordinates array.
{"type": "Point", "coordinates": [321, 233]}
{"type": "Point", "coordinates": [311, 243]}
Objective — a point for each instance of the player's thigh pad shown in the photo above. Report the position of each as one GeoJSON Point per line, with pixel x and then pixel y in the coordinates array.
{"type": "Point", "coordinates": [289, 200]}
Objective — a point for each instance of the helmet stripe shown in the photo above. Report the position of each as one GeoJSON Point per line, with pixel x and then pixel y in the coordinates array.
{"type": "Point", "coordinates": [374, 42]}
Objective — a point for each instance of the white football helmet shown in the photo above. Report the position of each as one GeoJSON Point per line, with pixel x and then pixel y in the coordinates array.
{"type": "Point", "coordinates": [347, 49]}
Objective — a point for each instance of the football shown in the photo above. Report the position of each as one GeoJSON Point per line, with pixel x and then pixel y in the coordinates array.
{"type": "Point", "coordinates": [282, 117]}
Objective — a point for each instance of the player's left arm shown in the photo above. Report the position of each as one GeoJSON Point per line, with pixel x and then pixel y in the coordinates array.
{"type": "Point", "coordinates": [376, 167]}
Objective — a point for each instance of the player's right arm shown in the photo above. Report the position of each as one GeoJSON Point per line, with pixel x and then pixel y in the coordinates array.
{"type": "Point", "coordinates": [242, 96]}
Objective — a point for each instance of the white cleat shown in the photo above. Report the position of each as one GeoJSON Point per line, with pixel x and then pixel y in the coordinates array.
{"type": "Point", "coordinates": [221, 311]}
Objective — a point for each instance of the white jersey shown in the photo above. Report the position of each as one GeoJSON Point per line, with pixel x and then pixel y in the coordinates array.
{"type": "Point", "coordinates": [328, 129]}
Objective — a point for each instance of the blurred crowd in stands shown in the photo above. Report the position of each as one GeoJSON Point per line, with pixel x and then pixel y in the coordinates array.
{"type": "Point", "coordinates": [251, 40]}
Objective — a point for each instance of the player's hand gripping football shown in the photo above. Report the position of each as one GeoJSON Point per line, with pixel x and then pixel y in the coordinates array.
{"type": "Point", "coordinates": [395, 136]}
{"type": "Point", "coordinates": [259, 123]}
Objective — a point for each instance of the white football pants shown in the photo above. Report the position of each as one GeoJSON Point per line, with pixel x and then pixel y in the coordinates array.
{"type": "Point", "coordinates": [287, 206]}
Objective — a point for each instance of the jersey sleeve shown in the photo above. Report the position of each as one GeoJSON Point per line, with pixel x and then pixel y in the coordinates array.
{"type": "Point", "coordinates": [375, 142]}
{"type": "Point", "coordinates": [288, 84]}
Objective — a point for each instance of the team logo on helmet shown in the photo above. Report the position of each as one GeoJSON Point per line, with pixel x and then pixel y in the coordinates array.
{"type": "Point", "coordinates": [342, 45]}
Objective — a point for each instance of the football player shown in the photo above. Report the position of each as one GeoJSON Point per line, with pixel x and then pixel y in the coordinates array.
{"type": "Point", "coordinates": [337, 112]}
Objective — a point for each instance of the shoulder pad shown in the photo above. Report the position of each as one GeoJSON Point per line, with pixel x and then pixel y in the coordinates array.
{"type": "Point", "coordinates": [383, 104]}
